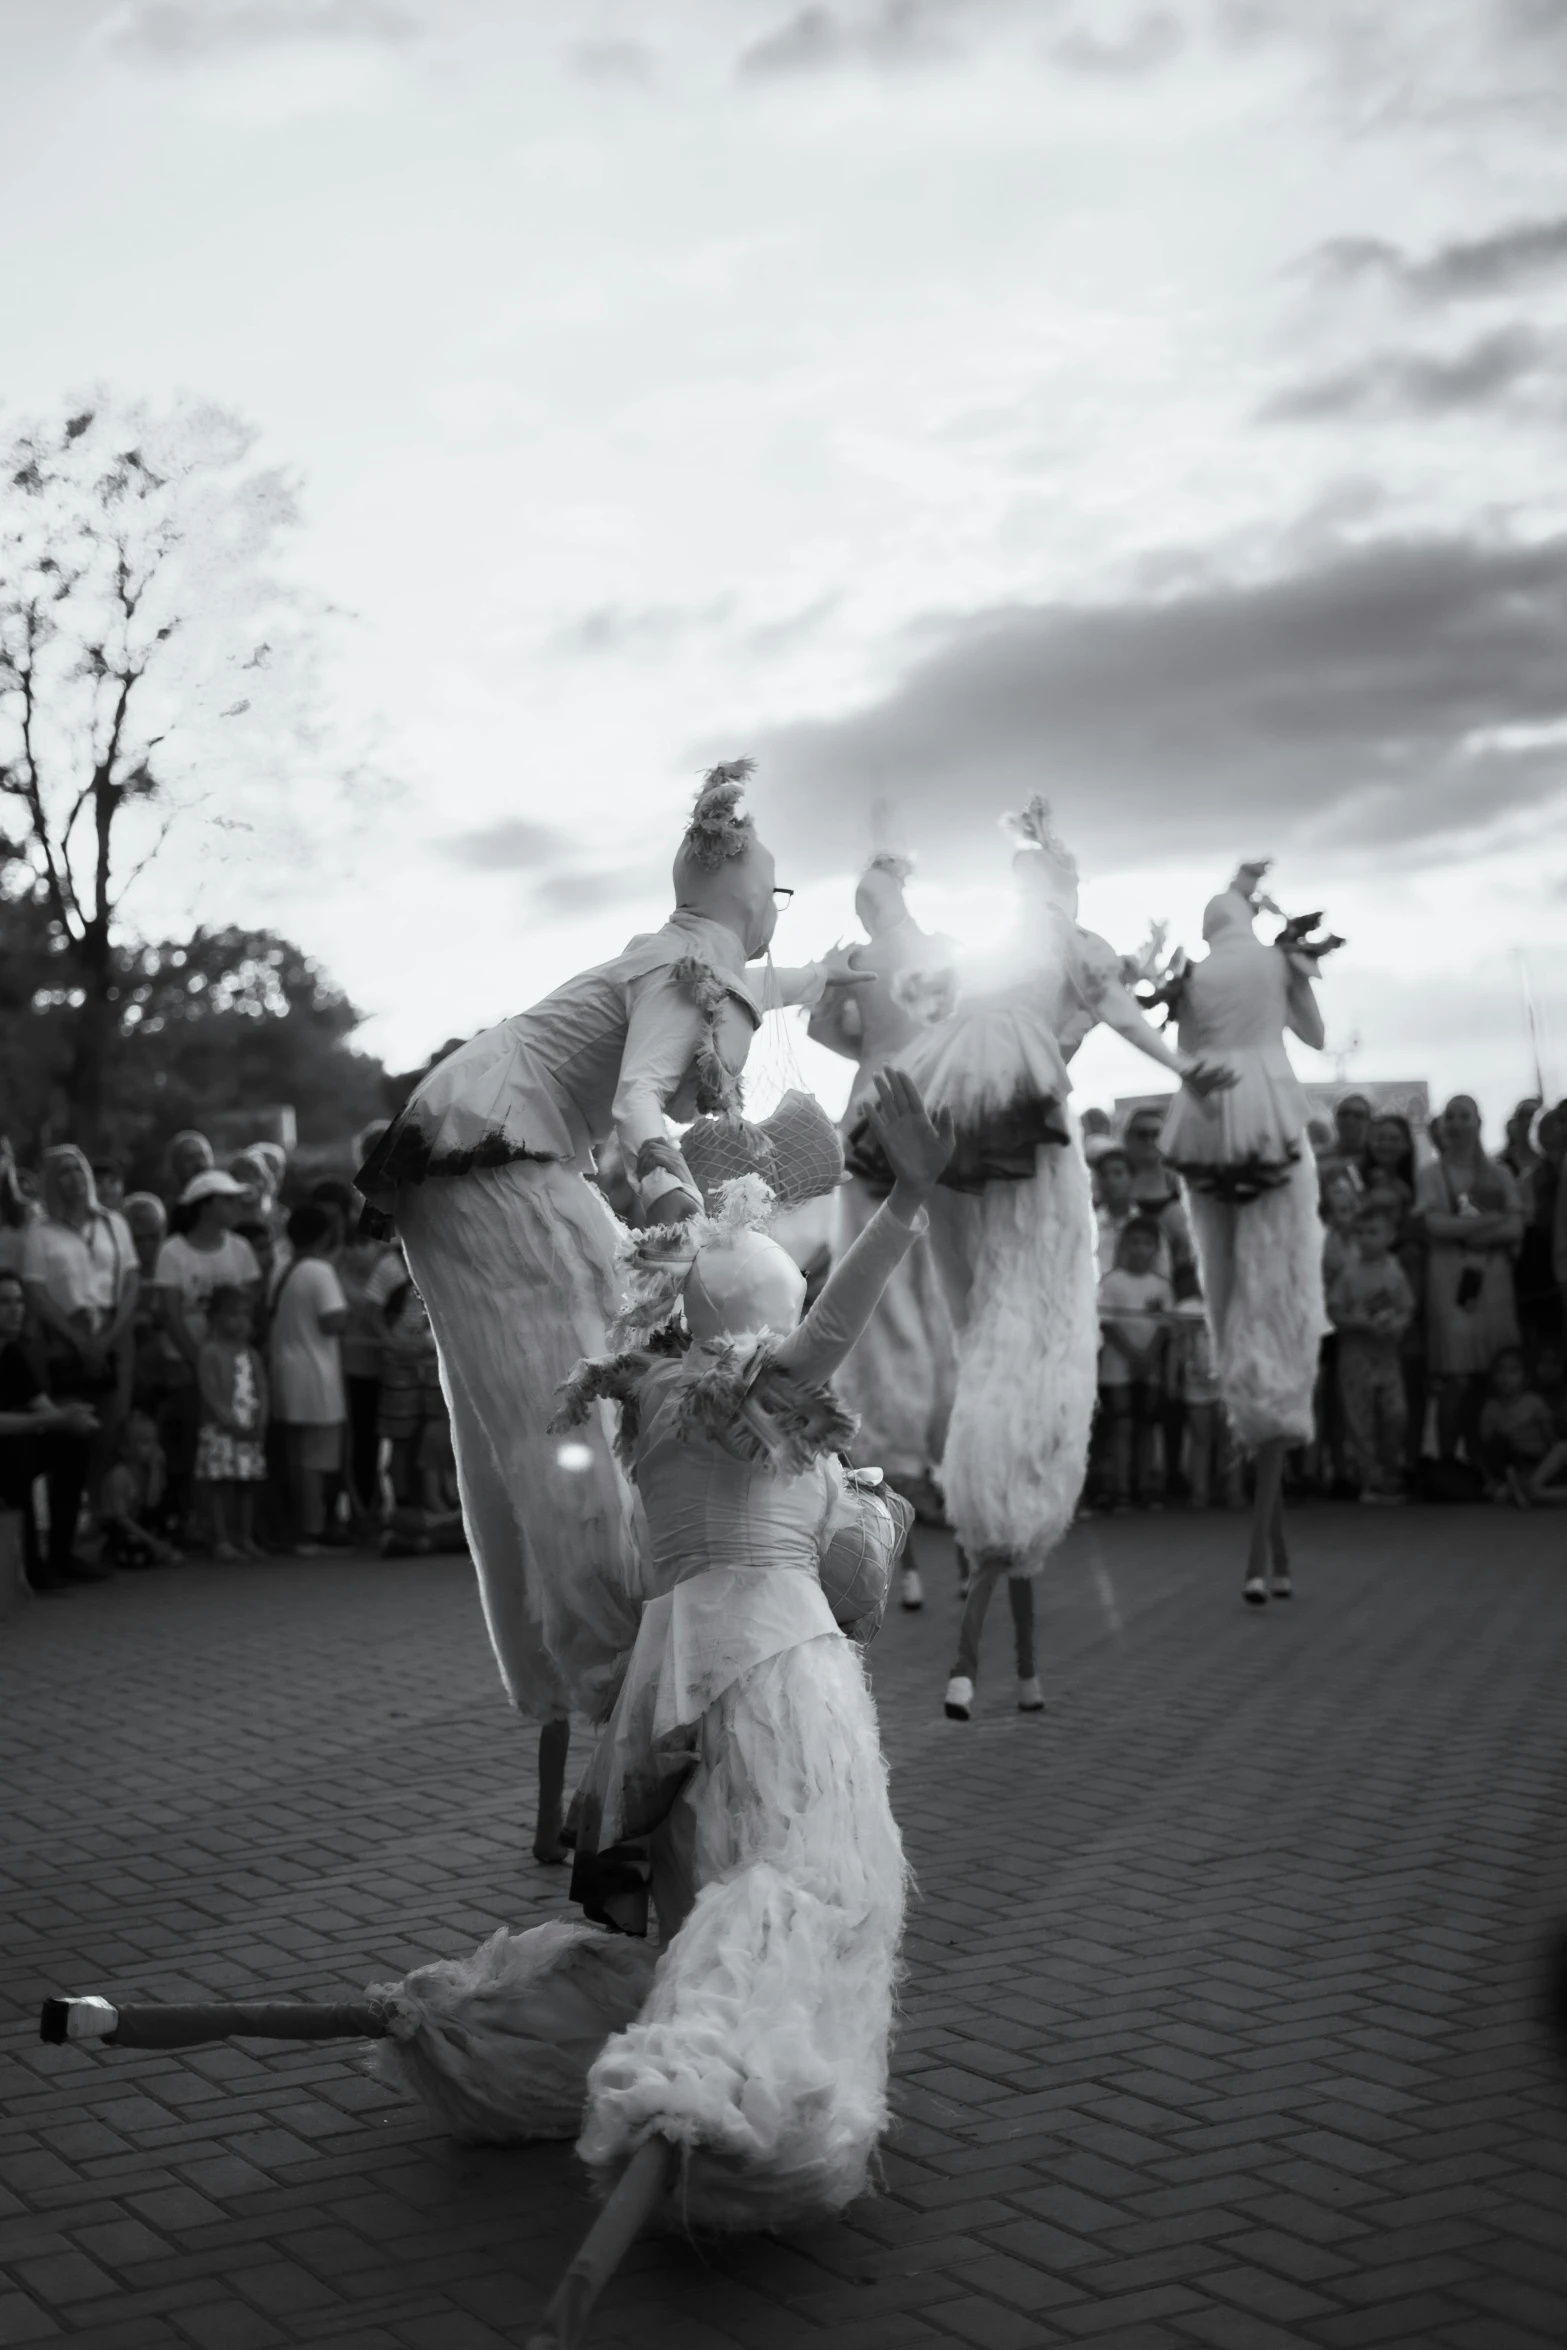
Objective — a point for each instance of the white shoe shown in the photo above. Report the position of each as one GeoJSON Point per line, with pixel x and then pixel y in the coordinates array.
{"type": "Point", "coordinates": [1030, 1697]}
{"type": "Point", "coordinates": [959, 1700]}
{"type": "Point", "coordinates": [1255, 1591]}
{"type": "Point", "coordinates": [911, 1591]}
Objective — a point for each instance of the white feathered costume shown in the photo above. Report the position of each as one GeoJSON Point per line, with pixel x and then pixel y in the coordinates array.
{"type": "Point", "coordinates": [1012, 1220]}
{"type": "Point", "coordinates": [486, 1173]}
{"type": "Point", "coordinates": [1251, 1182]}
{"type": "Point", "coordinates": [741, 1771]}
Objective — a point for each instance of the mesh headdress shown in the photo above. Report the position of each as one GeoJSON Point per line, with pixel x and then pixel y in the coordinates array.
{"type": "Point", "coordinates": [658, 1261]}
{"type": "Point", "coordinates": [797, 1151]}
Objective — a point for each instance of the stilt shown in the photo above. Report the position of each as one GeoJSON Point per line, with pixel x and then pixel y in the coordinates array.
{"type": "Point", "coordinates": [554, 1746]}
{"type": "Point", "coordinates": [637, 2194]}
{"type": "Point", "coordinates": [83, 2020]}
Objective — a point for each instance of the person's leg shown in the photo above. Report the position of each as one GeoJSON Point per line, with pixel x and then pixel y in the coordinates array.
{"type": "Point", "coordinates": [1200, 1454]}
{"type": "Point", "coordinates": [1267, 1518]}
{"type": "Point", "coordinates": [1451, 1398]}
{"type": "Point", "coordinates": [210, 1512]}
{"type": "Point", "coordinates": [987, 1572]}
{"type": "Point", "coordinates": [554, 1745]}
{"type": "Point", "coordinates": [66, 1461]}
{"type": "Point", "coordinates": [1357, 1412]}
{"type": "Point", "coordinates": [1549, 1481]}
{"type": "Point", "coordinates": [1020, 1594]}
{"type": "Point", "coordinates": [1117, 1402]}
{"type": "Point", "coordinates": [245, 1520]}
{"type": "Point", "coordinates": [1391, 1430]}
{"type": "Point", "coordinates": [364, 1399]}
{"type": "Point", "coordinates": [1172, 1429]}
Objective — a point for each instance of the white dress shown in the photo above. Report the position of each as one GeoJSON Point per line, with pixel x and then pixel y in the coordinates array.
{"type": "Point", "coordinates": [744, 1750]}
{"type": "Point", "coordinates": [1251, 1183]}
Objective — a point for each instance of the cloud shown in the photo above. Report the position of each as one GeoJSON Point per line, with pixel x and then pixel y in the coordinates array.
{"type": "Point", "coordinates": [814, 39]}
{"type": "Point", "coordinates": [1464, 270]}
{"type": "Point", "coordinates": [562, 886]}
{"type": "Point", "coordinates": [1401, 692]}
{"type": "Point", "coordinates": [1411, 383]}
{"type": "Point", "coordinates": [175, 32]}
{"type": "Point", "coordinates": [626, 63]}
{"type": "Point", "coordinates": [512, 846]}
{"type": "Point", "coordinates": [1153, 41]}
{"type": "Point", "coordinates": [647, 628]}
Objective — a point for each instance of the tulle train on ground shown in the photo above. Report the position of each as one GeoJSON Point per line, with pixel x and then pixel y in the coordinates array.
{"type": "Point", "coordinates": [497, 2045]}
{"type": "Point", "coordinates": [1261, 1264]}
{"type": "Point", "coordinates": [762, 2048]}
{"type": "Point", "coordinates": [1018, 1260]}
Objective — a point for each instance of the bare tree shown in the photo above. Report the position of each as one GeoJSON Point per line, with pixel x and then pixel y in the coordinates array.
{"type": "Point", "coordinates": [136, 684]}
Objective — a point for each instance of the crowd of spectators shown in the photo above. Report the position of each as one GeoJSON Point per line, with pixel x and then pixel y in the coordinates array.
{"type": "Point", "coordinates": [223, 1368]}
{"type": "Point", "coordinates": [1444, 1276]}
{"type": "Point", "coordinates": [226, 1368]}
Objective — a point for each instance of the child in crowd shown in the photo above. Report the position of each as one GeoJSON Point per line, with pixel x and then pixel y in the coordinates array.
{"type": "Point", "coordinates": [413, 1417]}
{"type": "Point", "coordinates": [1371, 1305]}
{"type": "Point", "coordinates": [1211, 1466]}
{"type": "Point", "coordinates": [1520, 1455]}
{"type": "Point", "coordinates": [1133, 1296]}
{"type": "Point", "coordinates": [231, 1459]}
{"type": "Point", "coordinates": [133, 1498]}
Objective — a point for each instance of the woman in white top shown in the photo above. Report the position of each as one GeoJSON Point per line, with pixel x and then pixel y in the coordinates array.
{"type": "Point", "coordinates": [80, 1278]}
{"type": "Point", "coordinates": [309, 1316]}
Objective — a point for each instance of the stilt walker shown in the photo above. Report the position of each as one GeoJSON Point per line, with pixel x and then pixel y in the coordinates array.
{"type": "Point", "coordinates": [514, 1251]}
{"type": "Point", "coordinates": [1014, 1235]}
{"type": "Point", "coordinates": [899, 1379]}
{"type": "Point", "coordinates": [740, 1779]}
{"type": "Point", "coordinates": [1245, 1159]}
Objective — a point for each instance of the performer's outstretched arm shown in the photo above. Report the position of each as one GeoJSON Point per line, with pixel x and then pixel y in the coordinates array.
{"type": "Point", "coordinates": [666, 1034]}
{"type": "Point", "coordinates": [917, 1151]}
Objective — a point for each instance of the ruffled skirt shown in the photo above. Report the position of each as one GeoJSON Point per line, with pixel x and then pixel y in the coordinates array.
{"type": "Point", "coordinates": [1244, 1141]}
{"type": "Point", "coordinates": [1019, 1266]}
{"type": "Point", "coordinates": [997, 1067]}
{"type": "Point", "coordinates": [1261, 1266]}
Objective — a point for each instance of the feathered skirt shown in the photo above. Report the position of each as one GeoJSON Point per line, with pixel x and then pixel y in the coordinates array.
{"type": "Point", "coordinates": [1243, 1140]}
{"type": "Point", "coordinates": [1019, 1267]}
{"type": "Point", "coordinates": [1261, 1266]}
{"type": "Point", "coordinates": [762, 2048]}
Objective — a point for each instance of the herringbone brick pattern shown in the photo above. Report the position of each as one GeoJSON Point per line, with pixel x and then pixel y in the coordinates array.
{"type": "Point", "coordinates": [1221, 2017]}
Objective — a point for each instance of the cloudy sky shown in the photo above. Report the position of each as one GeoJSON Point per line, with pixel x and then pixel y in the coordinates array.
{"type": "Point", "coordinates": [1159, 406]}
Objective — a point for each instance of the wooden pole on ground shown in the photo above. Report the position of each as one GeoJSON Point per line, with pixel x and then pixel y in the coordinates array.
{"type": "Point", "coordinates": [83, 2021]}
{"type": "Point", "coordinates": [638, 2192]}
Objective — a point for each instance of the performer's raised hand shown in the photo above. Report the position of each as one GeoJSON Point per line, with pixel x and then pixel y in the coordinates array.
{"type": "Point", "coordinates": [916, 1146]}
{"type": "Point", "coordinates": [838, 967]}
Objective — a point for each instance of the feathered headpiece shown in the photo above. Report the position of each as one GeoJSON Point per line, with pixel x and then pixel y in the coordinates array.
{"type": "Point", "coordinates": [1032, 828]}
{"type": "Point", "coordinates": [658, 1261]}
{"type": "Point", "coordinates": [717, 831]}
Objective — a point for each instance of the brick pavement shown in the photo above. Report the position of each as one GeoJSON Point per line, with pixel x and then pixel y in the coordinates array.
{"type": "Point", "coordinates": [1221, 2014]}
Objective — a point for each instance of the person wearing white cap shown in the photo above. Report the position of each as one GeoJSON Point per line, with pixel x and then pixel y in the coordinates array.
{"type": "Point", "coordinates": [514, 1253]}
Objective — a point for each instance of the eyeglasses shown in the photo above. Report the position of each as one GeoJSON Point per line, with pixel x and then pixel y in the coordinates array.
{"type": "Point", "coordinates": [781, 898]}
